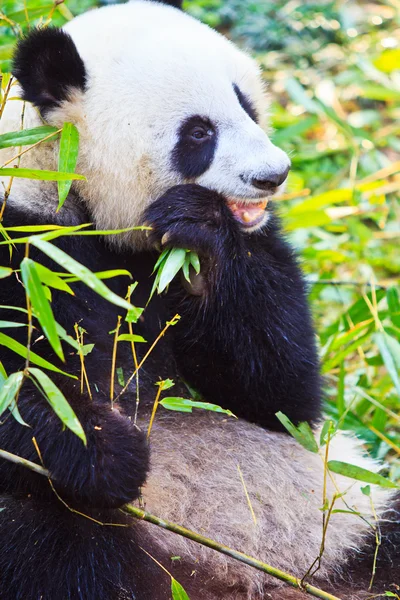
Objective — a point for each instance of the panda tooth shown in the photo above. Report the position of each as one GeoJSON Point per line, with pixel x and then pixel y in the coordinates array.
{"type": "Point", "coordinates": [246, 217]}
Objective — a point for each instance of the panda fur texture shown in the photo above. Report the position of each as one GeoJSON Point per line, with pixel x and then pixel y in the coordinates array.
{"type": "Point", "coordinates": [170, 117]}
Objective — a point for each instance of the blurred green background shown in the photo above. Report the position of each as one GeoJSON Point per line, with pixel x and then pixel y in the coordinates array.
{"type": "Point", "coordinates": [333, 71]}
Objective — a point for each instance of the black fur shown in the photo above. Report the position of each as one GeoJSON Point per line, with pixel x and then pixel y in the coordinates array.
{"type": "Point", "coordinates": [176, 3]}
{"type": "Point", "coordinates": [250, 339]}
{"type": "Point", "coordinates": [245, 103]}
{"type": "Point", "coordinates": [48, 67]}
{"type": "Point", "coordinates": [192, 157]}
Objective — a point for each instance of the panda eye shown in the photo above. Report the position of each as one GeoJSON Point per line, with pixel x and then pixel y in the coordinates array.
{"type": "Point", "coordinates": [200, 134]}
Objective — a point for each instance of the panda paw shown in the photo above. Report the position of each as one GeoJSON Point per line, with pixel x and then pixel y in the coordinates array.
{"type": "Point", "coordinates": [192, 217]}
{"type": "Point", "coordinates": [110, 470]}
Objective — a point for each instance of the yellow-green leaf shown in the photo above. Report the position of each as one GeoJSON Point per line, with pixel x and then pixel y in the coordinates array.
{"type": "Point", "coordinates": [26, 137]}
{"type": "Point", "coordinates": [11, 344]}
{"type": "Point", "coordinates": [40, 304]}
{"type": "Point", "coordinates": [67, 159]}
{"type": "Point", "coordinates": [186, 405]}
{"type": "Point", "coordinates": [9, 389]}
{"type": "Point", "coordinates": [5, 272]}
{"type": "Point", "coordinates": [360, 474]}
{"type": "Point", "coordinates": [178, 593]}
{"type": "Point", "coordinates": [303, 433]}
{"type": "Point", "coordinates": [80, 271]}
{"type": "Point", "coordinates": [40, 174]}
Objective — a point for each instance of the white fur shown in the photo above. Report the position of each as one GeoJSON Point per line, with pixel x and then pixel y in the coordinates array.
{"type": "Point", "coordinates": [194, 481]}
{"type": "Point", "coordinates": [150, 67]}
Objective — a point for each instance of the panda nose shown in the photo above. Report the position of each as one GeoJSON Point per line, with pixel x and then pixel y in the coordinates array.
{"type": "Point", "coordinates": [272, 180]}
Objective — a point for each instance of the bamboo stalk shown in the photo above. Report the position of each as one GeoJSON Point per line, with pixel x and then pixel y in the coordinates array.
{"type": "Point", "coordinates": [142, 515]}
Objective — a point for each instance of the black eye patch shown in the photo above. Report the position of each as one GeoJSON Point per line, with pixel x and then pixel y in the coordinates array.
{"type": "Point", "coordinates": [246, 103]}
{"type": "Point", "coordinates": [194, 151]}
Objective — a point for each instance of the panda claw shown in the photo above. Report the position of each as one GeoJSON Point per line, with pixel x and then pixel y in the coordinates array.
{"type": "Point", "coordinates": [165, 238]}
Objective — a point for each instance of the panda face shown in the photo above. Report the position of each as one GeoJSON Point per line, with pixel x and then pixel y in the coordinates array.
{"type": "Point", "coordinates": [166, 100]}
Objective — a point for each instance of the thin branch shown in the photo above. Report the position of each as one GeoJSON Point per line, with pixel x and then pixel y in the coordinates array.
{"type": "Point", "coordinates": [347, 282]}
{"type": "Point", "coordinates": [142, 515]}
{"type": "Point", "coordinates": [170, 323]}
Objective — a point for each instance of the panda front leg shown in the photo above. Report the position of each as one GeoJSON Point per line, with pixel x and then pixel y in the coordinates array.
{"type": "Point", "coordinates": [246, 340]}
{"type": "Point", "coordinates": [71, 544]}
{"type": "Point", "coordinates": [106, 473]}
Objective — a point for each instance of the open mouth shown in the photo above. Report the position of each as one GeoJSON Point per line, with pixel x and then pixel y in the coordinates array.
{"type": "Point", "coordinates": [249, 214]}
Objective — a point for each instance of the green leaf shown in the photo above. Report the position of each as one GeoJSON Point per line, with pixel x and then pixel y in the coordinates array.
{"type": "Point", "coordinates": [40, 175]}
{"type": "Point", "coordinates": [194, 261]}
{"type": "Point", "coordinates": [9, 390]}
{"type": "Point", "coordinates": [321, 201]}
{"type": "Point", "coordinates": [80, 271]}
{"type": "Point", "coordinates": [3, 374]}
{"type": "Point", "coordinates": [185, 267]}
{"type": "Point", "coordinates": [7, 324]}
{"type": "Point", "coordinates": [392, 295]}
{"type": "Point", "coordinates": [185, 405]}
{"type": "Point", "coordinates": [134, 313]}
{"type": "Point", "coordinates": [366, 490]}
{"type": "Point", "coordinates": [387, 347]}
{"type": "Point", "coordinates": [67, 159]}
{"type": "Point", "coordinates": [13, 408]}
{"type": "Point", "coordinates": [178, 593]}
{"type": "Point", "coordinates": [303, 433]}
{"type": "Point", "coordinates": [166, 384]}
{"type": "Point", "coordinates": [360, 474]}
{"type": "Point", "coordinates": [53, 280]}
{"type": "Point", "coordinates": [11, 344]}
{"type": "Point", "coordinates": [40, 304]}
{"type": "Point", "coordinates": [172, 265]}
{"type": "Point", "coordinates": [26, 137]}
{"type": "Point", "coordinates": [5, 272]}
{"type": "Point", "coordinates": [127, 337]}
{"type": "Point", "coordinates": [327, 430]}
{"type": "Point", "coordinates": [58, 402]}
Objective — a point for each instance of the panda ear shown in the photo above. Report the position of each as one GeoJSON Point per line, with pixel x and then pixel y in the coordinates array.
{"type": "Point", "coordinates": [176, 3]}
{"type": "Point", "coordinates": [48, 66]}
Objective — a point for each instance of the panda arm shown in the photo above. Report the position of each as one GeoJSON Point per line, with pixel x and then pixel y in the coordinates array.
{"type": "Point", "coordinates": [247, 342]}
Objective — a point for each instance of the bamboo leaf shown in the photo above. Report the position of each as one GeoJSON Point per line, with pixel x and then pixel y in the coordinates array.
{"type": "Point", "coordinates": [67, 159]}
{"type": "Point", "coordinates": [13, 408]}
{"type": "Point", "coordinates": [40, 304]}
{"type": "Point", "coordinates": [53, 280]}
{"type": "Point", "coordinates": [26, 137]}
{"type": "Point", "coordinates": [195, 261]}
{"type": "Point", "coordinates": [178, 593]}
{"type": "Point", "coordinates": [80, 271]}
{"type": "Point", "coordinates": [58, 402]}
{"type": "Point", "coordinates": [173, 264]}
{"type": "Point", "coordinates": [393, 300]}
{"type": "Point", "coordinates": [11, 344]}
{"type": "Point", "coordinates": [127, 337]}
{"type": "Point", "coordinates": [41, 175]}
{"type": "Point", "coordinates": [360, 474]}
{"type": "Point", "coordinates": [387, 349]}
{"type": "Point", "coordinates": [303, 433]}
{"type": "Point", "coordinates": [186, 405]}
{"type": "Point", "coordinates": [8, 324]}
{"type": "Point", "coordinates": [9, 389]}
{"type": "Point", "coordinates": [5, 272]}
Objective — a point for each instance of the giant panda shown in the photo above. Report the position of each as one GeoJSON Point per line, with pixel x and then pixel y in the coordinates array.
{"type": "Point", "coordinates": [171, 117]}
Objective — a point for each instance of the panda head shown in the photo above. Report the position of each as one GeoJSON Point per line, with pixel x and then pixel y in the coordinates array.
{"type": "Point", "coordinates": [159, 99]}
